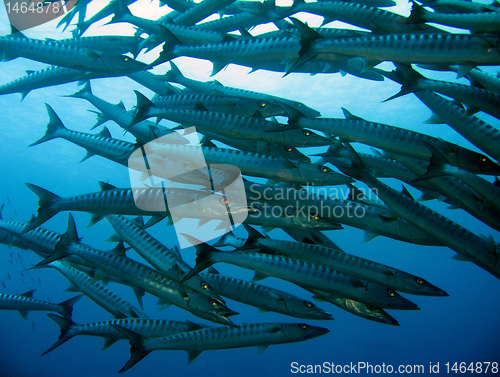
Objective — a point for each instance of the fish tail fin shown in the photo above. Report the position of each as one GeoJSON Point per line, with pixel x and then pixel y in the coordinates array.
{"type": "Point", "coordinates": [409, 79]}
{"type": "Point", "coordinates": [203, 259]}
{"type": "Point", "coordinates": [417, 14]}
{"type": "Point", "coordinates": [253, 237]}
{"type": "Point", "coordinates": [142, 108]}
{"type": "Point", "coordinates": [61, 249]}
{"type": "Point", "coordinates": [45, 201]}
{"type": "Point", "coordinates": [121, 13]}
{"type": "Point", "coordinates": [225, 240]}
{"type": "Point", "coordinates": [137, 352]}
{"type": "Point", "coordinates": [65, 325]}
{"type": "Point", "coordinates": [67, 306]}
{"type": "Point", "coordinates": [170, 42]}
{"type": "Point", "coordinates": [358, 168]}
{"type": "Point", "coordinates": [54, 128]}
{"type": "Point", "coordinates": [86, 90]}
{"type": "Point", "coordinates": [437, 166]}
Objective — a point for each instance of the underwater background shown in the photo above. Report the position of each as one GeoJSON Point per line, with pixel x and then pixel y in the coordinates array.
{"type": "Point", "coordinates": [464, 327]}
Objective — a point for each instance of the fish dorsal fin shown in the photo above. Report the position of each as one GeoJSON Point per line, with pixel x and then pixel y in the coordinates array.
{"type": "Point", "coordinates": [192, 354]}
{"type": "Point", "coordinates": [119, 249]}
{"type": "Point", "coordinates": [217, 67]}
{"type": "Point", "coordinates": [28, 294]}
{"type": "Point", "coordinates": [406, 193]}
{"type": "Point", "coordinates": [105, 133]}
{"type": "Point", "coordinates": [349, 115]}
{"type": "Point", "coordinates": [106, 186]}
{"type": "Point", "coordinates": [258, 276]}
{"type": "Point", "coordinates": [121, 105]}
{"type": "Point", "coordinates": [139, 221]}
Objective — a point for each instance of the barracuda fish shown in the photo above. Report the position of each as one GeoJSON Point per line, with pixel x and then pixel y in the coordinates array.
{"type": "Point", "coordinates": [142, 131]}
{"type": "Point", "coordinates": [476, 22]}
{"type": "Point", "coordinates": [303, 273]}
{"type": "Point", "coordinates": [219, 103]}
{"type": "Point", "coordinates": [121, 201]}
{"type": "Point", "coordinates": [271, 216]}
{"type": "Point", "coordinates": [396, 140]}
{"type": "Point", "coordinates": [230, 125]}
{"type": "Point", "coordinates": [232, 23]}
{"type": "Point", "coordinates": [154, 83]}
{"type": "Point", "coordinates": [168, 290]}
{"type": "Point", "coordinates": [371, 221]}
{"type": "Point", "coordinates": [382, 166]}
{"type": "Point", "coordinates": [109, 9]}
{"type": "Point", "coordinates": [96, 291]}
{"type": "Point", "coordinates": [264, 298]}
{"type": "Point", "coordinates": [148, 328]}
{"type": "Point", "coordinates": [490, 192]}
{"type": "Point", "coordinates": [365, 16]}
{"type": "Point", "coordinates": [175, 75]}
{"type": "Point", "coordinates": [477, 99]}
{"type": "Point", "coordinates": [261, 335]}
{"type": "Point", "coordinates": [478, 132]}
{"type": "Point", "coordinates": [119, 44]}
{"type": "Point", "coordinates": [178, 5]}
{"type": "Point", "coordinates": [188, 35]}
{"type": "Point", "coordinates": [25, 303]}
{"type": "Point", "coordinates": [48, 77]}
{"type": "Point", "coordinates": [252, 164]}
{"type": "Point", "coordinates": [458, 194]}
{"type": "Point", "coordinates": [363, 268]}
{"type": "Point", "coordinates": [459, 6]}
{"type": "Point", "coordinates": [101, 144]}
{"type": "Point", "coordinates": [425, 48]}
{"type": "Point", "coordinates": [200, 11]}
{"type": "Point", "coordinates": [246, 52]}
{"type": "Point", "coordinates": [157, 255]}
{"type": "Point", "coordinates": [53, 52]}
{"type": "Point", "coordinates": [481, 251]}
{"type": "Point", "coordinates": [357, 308]}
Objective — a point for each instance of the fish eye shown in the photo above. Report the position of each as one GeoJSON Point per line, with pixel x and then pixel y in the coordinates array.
{"type": "Point", "coordinates": [125, 58]}
{"type": "Point", "coordinates": [371, 307]}
{"type": "Point", "coordinates": [483, 159]}
{"type": "Point", "coordinates": [309, 304]}
{"type": "Point", "coordinates": [420, 281]}
{"type": "Point", "coordinates": [289, 149]}
{"type": "Point", "coordinates": [325, 169]}
{"type": "Point", "coordinates": [205, 286]}
{"type": "Point", "coordinates": [315, 217]}
{"type": "Point", "coordinates": [306, 132]}
{"type": "Point", "coordinates": [214, 303]}
{"type": "Point", "coordinates": [262, 104]}
{"type": "Point", "coordinates": [392, 293]}
{"type": "Point", "coordinates": [303, 326]}
{"type": "Point", "coordinates": [224, 201]}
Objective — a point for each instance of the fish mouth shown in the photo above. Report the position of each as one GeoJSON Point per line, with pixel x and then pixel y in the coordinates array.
{"type": "Point", "coordinates": [223, 319]}
{"type": "Point", "coordinates": [403, 304]}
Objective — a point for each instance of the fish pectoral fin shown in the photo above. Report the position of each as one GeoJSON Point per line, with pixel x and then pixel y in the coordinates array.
{"type": "Point", "coordinates": [99, 275]}
{"type": "Point", "coordinates": [258, 276]}
{"type": "Point", "coordinates": [108, 342]}
{"type": "Point", "coordinates": [261, 348]}
{"type": "Point", "coordinates": [24, 313]}
{"type": "Point", "coordinates": [163, 303]}
{"type": "Point", "coordinates": [370, 234]}
{"type": "Point", "coordinates": [460, 257]}
{"type": "Point", "coordinates": [192, 354]}
{"type": "Point", "coordinates": [139, 293]}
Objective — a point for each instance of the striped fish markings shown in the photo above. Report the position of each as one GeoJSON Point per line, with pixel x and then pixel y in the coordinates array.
{"type": "Point", "coordinates": [134, 273]}
{"type": "Point", "coordinates": [261, 335]}
{"type": "Point", "coordinates": [481, 251]}
{"type": "Point", "coordinates": [363, 268]}
{"type": "Point", "coordinates": [64, 55]}
{"type": "Point", "coordinates": [303, 273]}
{"type": "Point", "coordinates": [25, 303]}
{"type": "Point", "coordinates": [149, 328]}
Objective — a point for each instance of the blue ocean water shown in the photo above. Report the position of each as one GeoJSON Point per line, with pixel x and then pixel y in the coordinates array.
{"type": "Point", "coordinates": [461, 328]}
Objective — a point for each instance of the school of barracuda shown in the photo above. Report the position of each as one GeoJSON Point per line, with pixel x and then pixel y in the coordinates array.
{"type": "Point", "coordinates": [238, 127]}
